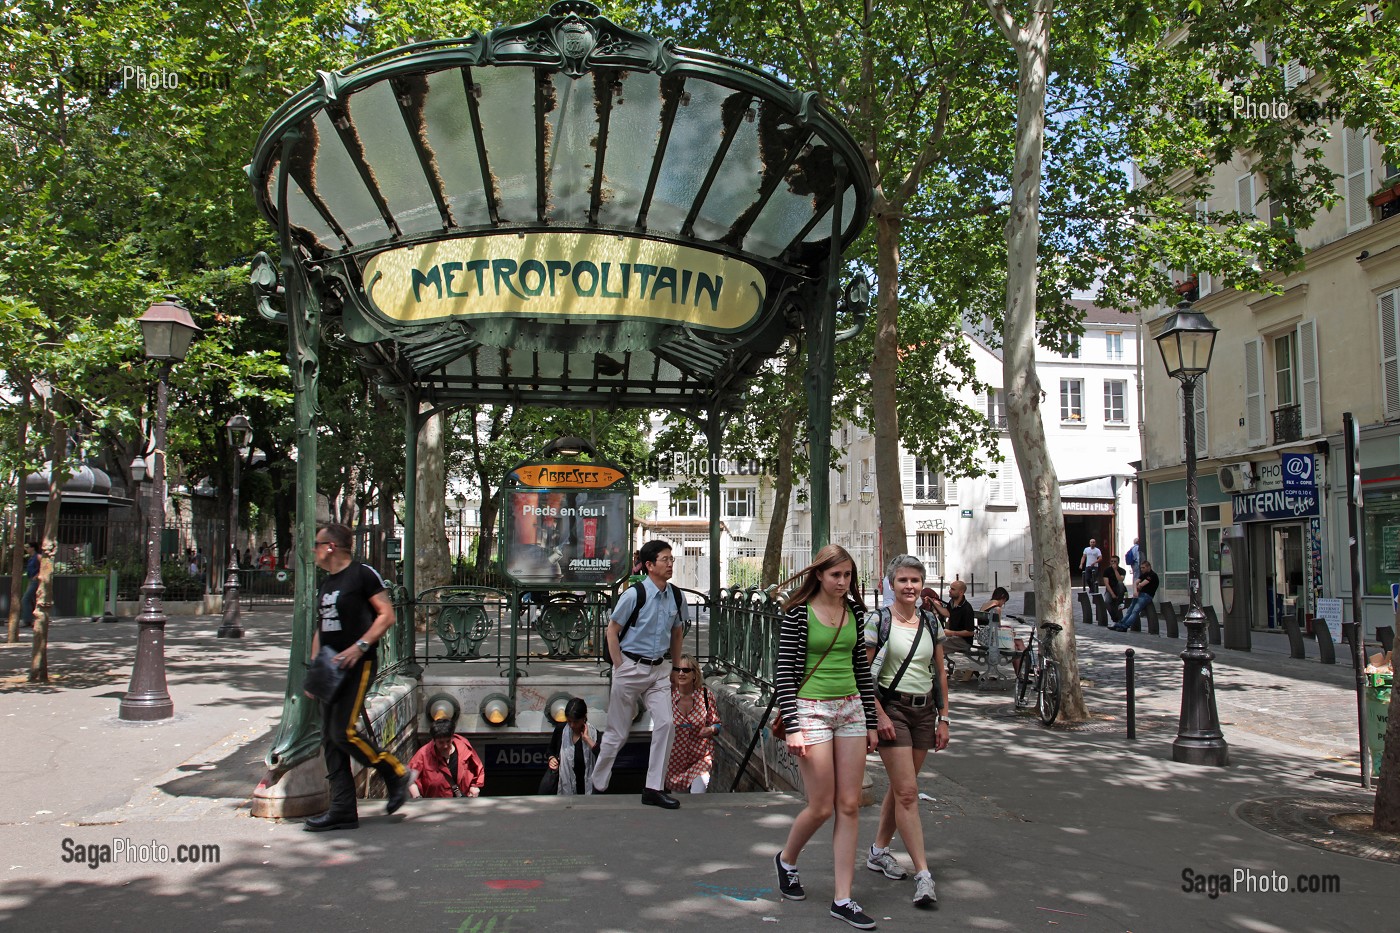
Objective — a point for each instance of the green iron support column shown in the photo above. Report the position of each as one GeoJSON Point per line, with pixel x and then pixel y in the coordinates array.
{"type": "Point", "coordinates": [714, 438]}
{"type": "Point", "coordinates": [412, 421]}
{"type": "Point", "coordinates": [821, 376]}
{"type": "Point", "coordinates": [298, 736]}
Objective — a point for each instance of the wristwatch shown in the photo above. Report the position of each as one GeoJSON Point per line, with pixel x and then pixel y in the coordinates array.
{"type": "Point", "coordinates": [363, 646]}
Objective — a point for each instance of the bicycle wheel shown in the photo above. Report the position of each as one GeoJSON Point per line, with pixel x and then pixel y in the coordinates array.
{"type": "Point", "coordinates": [1049, 698]}
{"type": "Point", "coordinates": [1025, 677]}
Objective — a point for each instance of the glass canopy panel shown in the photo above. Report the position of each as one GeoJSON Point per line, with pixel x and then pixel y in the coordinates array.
{"type": "Point", "coordinates": [821, 231]}
{"type": "Point", "coordinates": [453, 145]}
{"type": "Point", "coordinates": [507, 108]}
{"type": "Point", "coordinates": [302, 215]}
{"type": "Point", "coordinates": [737, 183]}
{"type": "Point", "coordinates": [634, 126]}
{"type": "Point", "coordinates": [339, 186]}
{"type": "Point", "coordinates": [551, 366]}
{"type": "Point", "coordinates": [393, 162]}
{"type": "Point", "coordinates": [791, 205]}
{"type": "Point", "coordinates": [695, 137]}
{"type": "Point", "coordinates": [570, 154]}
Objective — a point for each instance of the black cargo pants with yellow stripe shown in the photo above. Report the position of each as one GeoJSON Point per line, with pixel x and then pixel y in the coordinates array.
{"type": "Point", "coordinates": [345, 736]}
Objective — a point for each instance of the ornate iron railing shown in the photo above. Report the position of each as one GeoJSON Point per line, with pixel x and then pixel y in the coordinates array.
{"type": "Point", "coordinates": [1288, 424]}
{"type": "Point", "coordinates": [746, 640]}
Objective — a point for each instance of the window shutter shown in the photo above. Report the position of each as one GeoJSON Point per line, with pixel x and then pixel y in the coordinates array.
{"type": "Point", "coordinates": [1203, 281]}
{"type": "Point", "coordinates": [1000, 489]}
{"type": "Point", "coordinates": [1294, 74]}
{"type": "Point", "coordinates": [906, 476]}
{"type": "Point", "coordinates": [950, 490]}
{"type": "Point", "coordinates": [1244, 195]}
{"type": "Point", "coordinates": [1254, 392]}
{"type": "Point", "coordinates": [1199, 402]}
{"type": "Point", "coordinates": [1356, 160]}
{"type": "Point", "coordinates": [1309, 378]}
{"type": "Point", "coordinates": [1390, 344]}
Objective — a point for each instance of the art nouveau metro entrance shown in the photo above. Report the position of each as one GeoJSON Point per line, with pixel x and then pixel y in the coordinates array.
{"type": "Point", "coordinates": [563, 213]}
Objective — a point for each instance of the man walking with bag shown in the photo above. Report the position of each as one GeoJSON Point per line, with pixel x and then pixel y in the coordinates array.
{"type": "Point", "coordinates": [647, 622]}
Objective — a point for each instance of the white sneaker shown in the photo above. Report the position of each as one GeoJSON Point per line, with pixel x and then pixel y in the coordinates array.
{"type": "Point", "coordinates": [887, 863]}
{"type": "Point", "coordinates": [924, 895]}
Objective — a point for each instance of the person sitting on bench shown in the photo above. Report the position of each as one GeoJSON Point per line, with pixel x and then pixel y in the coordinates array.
{"type": "Point", "coordinates": [958, 622]}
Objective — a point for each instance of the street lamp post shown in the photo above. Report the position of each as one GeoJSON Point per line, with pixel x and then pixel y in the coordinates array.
{"type": "Point", "coordinates": [240, 435]}
{"type": "Point", "coordinates": [1186, 343]}
{"type": "Point", "coordinates": [167, 330]}
{"type": "Point", "coordinates": [461, 501]}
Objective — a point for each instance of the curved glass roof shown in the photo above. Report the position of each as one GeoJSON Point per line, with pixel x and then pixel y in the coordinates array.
{"type": "Point", "coordinates": [567, 124]}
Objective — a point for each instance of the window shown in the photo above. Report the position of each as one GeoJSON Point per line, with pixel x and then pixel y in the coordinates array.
{"type": "Point", "coordinates": [1114, 410]}
{"type": "Point", "coordinates": [996, 409]}
{"type": "Point", "coordinates": [1389, 307]}
{"type": "Point", "coordinates": [1285, 369]}
{"type": "Point", "coordinates": [1071, 399]}
{"type": "Point", "coordinates": [1382, 540]}
{"type": "Point", "coordinates": [927, 487]}
{"type": "Point", "coordinates": [1073, 352]}
{"type": "Point", "coordinates": [1244, 195]}
{"type": "Point", "coordinates": [867, 476]}
{"type": "Point", "coordinates": [738, 502]}
{"type": "Point", "coordinates": [928, 547]}
{"type": "Point", "coordinates": [687, 505]}
{"type": "Point", "coordinates": [1113, 343]}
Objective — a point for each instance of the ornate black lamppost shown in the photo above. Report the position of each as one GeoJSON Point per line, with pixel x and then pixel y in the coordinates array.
{"type": "Point", "coordinates": [167, 330]}
{"type": "Point", "coordinates": [1186, 343]}
{"type": "Point", "coordinates": [240, 435]}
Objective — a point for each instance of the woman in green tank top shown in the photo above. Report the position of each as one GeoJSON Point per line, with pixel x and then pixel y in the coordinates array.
{"type": "Point", "coordinates": [827, 704]}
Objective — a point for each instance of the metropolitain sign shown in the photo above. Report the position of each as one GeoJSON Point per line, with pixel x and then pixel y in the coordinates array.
{"type": "Point", "coordinates": [547, 275]}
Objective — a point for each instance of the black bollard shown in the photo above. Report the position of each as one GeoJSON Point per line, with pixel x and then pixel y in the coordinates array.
{"type": "Point", "coordinates": [1132, 698]}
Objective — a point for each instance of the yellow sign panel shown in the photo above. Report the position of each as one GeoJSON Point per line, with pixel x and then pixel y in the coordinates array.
{"type": "Point", "coordinates": [568, 475]}
{"type": "Point", "coordinates": [564, 274]}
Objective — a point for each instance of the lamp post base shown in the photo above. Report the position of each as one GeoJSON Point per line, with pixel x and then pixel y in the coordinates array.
{"type": "Point", "coordinates": [1199, 740]}
{"type": "Point", "coordinates": [146, 709]}
{"type": "Point", "coordinates": [231, 626]}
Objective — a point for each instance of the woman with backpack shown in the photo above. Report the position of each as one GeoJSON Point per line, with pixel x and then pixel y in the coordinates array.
{"type": "Point", "coordinates": [696, 716]}
{"type": "Point", "coordinates": [827, 707]}
{"type": "Point", "coordinates": [905, 647]}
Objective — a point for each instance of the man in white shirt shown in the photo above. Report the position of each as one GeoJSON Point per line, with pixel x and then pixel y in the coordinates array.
{"type": "Point", "coordinates": [1089, 566]}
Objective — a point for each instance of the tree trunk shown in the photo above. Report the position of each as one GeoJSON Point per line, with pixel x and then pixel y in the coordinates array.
{"type": "Point", "coordinates": [782, 495]}
{"type": "Point", "coordinates": [884, 380]}
{"type": "Point", "coordinates": [433, 566]}
{"type": "Point", "coordinates": [1022, 385]}
{"type": "Point", "coordinates": [39, 658]}
{"type": "Point", "coordinates": [18, 584]}
{"type": "Point", "coordinates": [486, 541]}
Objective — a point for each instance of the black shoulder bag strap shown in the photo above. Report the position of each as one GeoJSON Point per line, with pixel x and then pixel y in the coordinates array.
{"type": "Point", "coordinates": [918, 634]}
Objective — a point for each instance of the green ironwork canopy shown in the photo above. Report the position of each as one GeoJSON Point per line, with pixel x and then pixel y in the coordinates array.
{"type": "Point", "coordinates": [565, 212]}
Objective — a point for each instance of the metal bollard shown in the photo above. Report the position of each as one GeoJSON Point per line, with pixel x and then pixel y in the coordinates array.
{"type": "Point", "coordinates": [1132, 697]}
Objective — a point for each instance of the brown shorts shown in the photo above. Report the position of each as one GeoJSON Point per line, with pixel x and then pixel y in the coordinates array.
{"type": "Point", "coordinates": [914, 726]}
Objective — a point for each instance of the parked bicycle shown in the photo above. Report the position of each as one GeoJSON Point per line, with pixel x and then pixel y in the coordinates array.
{"type": "Point", "coordinates": [1039, 666]}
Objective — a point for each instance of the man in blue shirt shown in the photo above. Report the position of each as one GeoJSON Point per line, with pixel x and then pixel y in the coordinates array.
{"type": "Point", "coordinates": [641, 671]}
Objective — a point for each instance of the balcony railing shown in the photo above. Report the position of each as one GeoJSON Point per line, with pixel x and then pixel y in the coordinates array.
{"type": "Point", "coordinates": [1288, 424]}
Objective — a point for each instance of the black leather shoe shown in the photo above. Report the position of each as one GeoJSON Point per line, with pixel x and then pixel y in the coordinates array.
{"type": "Point", "coordinates": [659, 798]}
{"type": "Point", "coordinates": [328, 821]}
{"type": "Point", "coordinates": [398, 793]}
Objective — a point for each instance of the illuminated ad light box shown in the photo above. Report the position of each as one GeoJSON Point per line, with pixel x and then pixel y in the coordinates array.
{"type": "Point", "coordinates": [566, 524]}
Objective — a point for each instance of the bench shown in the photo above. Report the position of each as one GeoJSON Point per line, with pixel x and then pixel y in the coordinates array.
{"type": "Point", "coordinates": [984, 651]}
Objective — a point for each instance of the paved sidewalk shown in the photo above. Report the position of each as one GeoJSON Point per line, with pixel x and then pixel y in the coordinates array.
{"type": "Point", "coordinates": [1027, 828]}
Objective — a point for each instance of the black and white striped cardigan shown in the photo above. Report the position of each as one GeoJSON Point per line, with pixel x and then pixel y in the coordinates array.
{"type": "Point", "coordinates": [792, 664]}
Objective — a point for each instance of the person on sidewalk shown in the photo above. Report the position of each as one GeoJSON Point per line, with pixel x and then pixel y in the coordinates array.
{"type": "Point", "coordinates": [638, 641]}
{"type": "Point", "coordinates": [1146, 587]}
{"type": "Point", "coordinates": [959, 624]}
{"type": "Point", "coordinates": [1089, 566]}
{"type": "Point", "coordinates": [911, 706]}
{"type": "Point", "coordinates": [826, 701]}
{"type": "Point", "coordinates": [696, 716]}
{"type": "Point", "coordinates": [447, 766]}
{"type": "Point", "coordinates": [1133, 558]}
{"type": "Point", "coordinates": [352, 612]}
{"type": "Point", "coordinates": [31, 589]}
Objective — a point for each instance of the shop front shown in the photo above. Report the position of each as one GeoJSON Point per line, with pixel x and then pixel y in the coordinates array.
{"type": "Point", "coordinates": [1280, 524]}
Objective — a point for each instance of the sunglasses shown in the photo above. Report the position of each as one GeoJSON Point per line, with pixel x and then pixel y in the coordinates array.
{"type": "Point", "coordinates": [683, 670]}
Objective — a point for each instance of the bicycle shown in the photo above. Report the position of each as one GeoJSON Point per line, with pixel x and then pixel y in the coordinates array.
{"type": "Point", "coordinates": [1038, 665]}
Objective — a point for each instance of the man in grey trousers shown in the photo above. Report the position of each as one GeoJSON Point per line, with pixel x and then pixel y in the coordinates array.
{"type": "Point", "coordinates": [641, 670]}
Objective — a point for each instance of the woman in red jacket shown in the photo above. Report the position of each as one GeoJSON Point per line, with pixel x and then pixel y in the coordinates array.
{"type": "Point", "coordinates": [447, 766]}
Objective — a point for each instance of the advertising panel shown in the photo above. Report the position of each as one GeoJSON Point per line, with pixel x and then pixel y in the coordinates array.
{"type": "Point", "coordinates": [567, 524]}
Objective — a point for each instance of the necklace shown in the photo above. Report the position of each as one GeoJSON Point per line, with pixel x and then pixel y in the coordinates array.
{"type": "Point", "coordinates": [903, 620]}
{"type": "Point", "coordinates": [823, 612]}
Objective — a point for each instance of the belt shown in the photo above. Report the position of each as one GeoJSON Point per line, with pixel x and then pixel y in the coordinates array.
{"type": "Point", "coordinates": [915, 700]}
{"type": "Point", "coordinates": [652, 662]}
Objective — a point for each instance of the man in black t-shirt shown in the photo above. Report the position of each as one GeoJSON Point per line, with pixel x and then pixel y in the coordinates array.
{"type": "Point", "coordinates": [1146, 589]}
{"type": "Point", "coordinates": [352, 613]}
{"type": "Point", "coordinates": [959, 624]}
